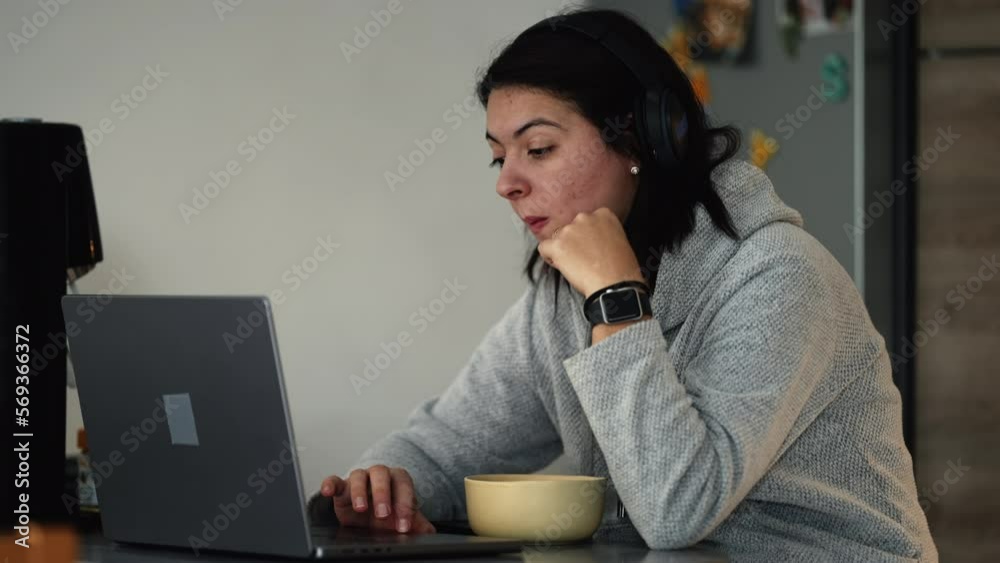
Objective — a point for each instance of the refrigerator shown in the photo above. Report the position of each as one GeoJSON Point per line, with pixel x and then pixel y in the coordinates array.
{"type": "Point", "coordinates": [842, 163]}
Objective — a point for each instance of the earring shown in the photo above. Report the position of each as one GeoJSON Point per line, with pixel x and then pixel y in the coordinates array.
{"type": "Point", "coordinates": [634, 170]}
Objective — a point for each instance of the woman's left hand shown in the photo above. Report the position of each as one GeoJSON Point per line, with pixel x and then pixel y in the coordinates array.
{"type": "Point", "coordinates": [592, 252]}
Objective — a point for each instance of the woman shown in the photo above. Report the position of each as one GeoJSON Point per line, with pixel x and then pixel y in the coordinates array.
{"type": "Point", "coordinates": [751, 408]}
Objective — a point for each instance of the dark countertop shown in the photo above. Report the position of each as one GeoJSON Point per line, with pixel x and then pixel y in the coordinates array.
{"type": "Point", "coordinates": [97, 549]}
{"type": "Point", "coordinates": [92, 547]}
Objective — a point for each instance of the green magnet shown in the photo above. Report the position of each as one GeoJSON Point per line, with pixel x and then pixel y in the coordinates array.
{"type": "Point", "coordinates": [835, 75]}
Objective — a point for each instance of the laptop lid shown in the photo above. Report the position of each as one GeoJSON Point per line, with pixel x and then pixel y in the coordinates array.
{"type": "Point", "coordinates": [190, 440]}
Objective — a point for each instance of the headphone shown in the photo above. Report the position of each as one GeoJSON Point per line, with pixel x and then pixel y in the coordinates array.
{"type": "Point", "coordinates": [661, 123]}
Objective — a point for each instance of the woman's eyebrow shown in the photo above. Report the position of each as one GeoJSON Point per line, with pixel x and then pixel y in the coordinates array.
{"type": "Point", "coordinates": [526, 126]}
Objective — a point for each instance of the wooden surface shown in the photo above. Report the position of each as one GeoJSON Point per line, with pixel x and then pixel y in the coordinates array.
{"type": "Point", "coordinates": [960, 23]}
{"type": "Point", "coordinates": [958, 368]}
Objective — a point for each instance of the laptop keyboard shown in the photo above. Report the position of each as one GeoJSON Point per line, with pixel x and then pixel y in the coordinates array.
{"type": "Point", "coordinates": [342, 536]}
{"type": "Point", "coordinates": [457, 527]}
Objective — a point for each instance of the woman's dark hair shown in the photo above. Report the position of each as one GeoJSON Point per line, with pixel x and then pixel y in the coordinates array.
{"type": "Point", "coordinates": [579, 70]}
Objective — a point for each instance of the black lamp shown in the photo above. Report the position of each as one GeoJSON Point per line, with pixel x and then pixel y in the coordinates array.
{"type": "Point", "coordinates": [48, 235]}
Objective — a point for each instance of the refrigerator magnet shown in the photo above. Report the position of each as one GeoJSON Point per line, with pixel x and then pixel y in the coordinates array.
{"type": "Point", "coordinates": [799, 19]}
{"type": "Point", "coordinates": [762, 148]}
{"type": "Point", "coordinates": [835, 72]}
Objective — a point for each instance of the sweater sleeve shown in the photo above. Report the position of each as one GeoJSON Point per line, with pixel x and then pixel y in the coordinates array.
{"type": "Point", "coordinates": [490, 419]}
{"type": "Point", "coordinates": [683, 455]}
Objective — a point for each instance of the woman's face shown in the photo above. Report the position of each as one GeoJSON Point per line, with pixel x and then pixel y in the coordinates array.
{"type": "Point", "coordinates": [553, 162]}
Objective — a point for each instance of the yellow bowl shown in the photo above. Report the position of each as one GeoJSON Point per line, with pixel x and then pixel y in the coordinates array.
{"type": "Point", "coordinates": [546, 508]}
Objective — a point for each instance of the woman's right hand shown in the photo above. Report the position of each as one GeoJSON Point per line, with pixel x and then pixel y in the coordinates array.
{"type": "Point", "coordinates": [380, 498]}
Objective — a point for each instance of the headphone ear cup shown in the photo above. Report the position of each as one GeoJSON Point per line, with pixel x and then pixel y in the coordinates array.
{"type": "Point", "coordinates": [639, 123]}
{"type": "Point", "coordinates": [674, 124]}
{"type": "Point", "coordinates": [655, 130]}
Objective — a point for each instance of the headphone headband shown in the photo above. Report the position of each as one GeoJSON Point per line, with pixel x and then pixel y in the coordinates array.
{"type": "Point", "coordinates": [660, 120]}
{"type": "Point", "coordinates": [615, 44]}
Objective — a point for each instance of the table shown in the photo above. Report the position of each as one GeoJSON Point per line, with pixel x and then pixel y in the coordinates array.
{"type": "Point", "coordinates": [97, 549]}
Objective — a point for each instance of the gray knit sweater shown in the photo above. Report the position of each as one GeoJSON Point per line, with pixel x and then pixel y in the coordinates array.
{"type": "Point", "coordinates": [755, 413]}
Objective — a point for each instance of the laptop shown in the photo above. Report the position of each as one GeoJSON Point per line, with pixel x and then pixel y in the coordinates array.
{"type": "Point", "coordinates": [190, 437]}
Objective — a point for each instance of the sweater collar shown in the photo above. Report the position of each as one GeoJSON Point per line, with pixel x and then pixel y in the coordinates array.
{"type": "Point", "coordinates": [684, 274]}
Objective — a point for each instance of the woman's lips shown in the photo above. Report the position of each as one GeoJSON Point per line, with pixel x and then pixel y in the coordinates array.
{"type": "Point", "coordinates": [536, 224]}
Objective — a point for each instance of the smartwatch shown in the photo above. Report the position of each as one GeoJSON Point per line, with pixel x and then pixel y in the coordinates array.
{"type": "Point", "coordinates": [618, 303]}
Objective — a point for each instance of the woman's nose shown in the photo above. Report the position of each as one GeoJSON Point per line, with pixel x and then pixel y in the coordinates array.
{"type": "Point", "coordinates": [511, 184]}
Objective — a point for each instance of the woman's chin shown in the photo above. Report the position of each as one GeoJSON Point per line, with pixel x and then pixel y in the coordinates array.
{"type": "Point", "coordinates": [545, 232]}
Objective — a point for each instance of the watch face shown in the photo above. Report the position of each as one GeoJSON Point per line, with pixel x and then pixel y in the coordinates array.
{"type": "Point", "coordinates": [621, 305]}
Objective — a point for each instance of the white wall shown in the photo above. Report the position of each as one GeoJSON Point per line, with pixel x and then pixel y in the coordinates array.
{"type": "Point", "coordinates": [321, 176]}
